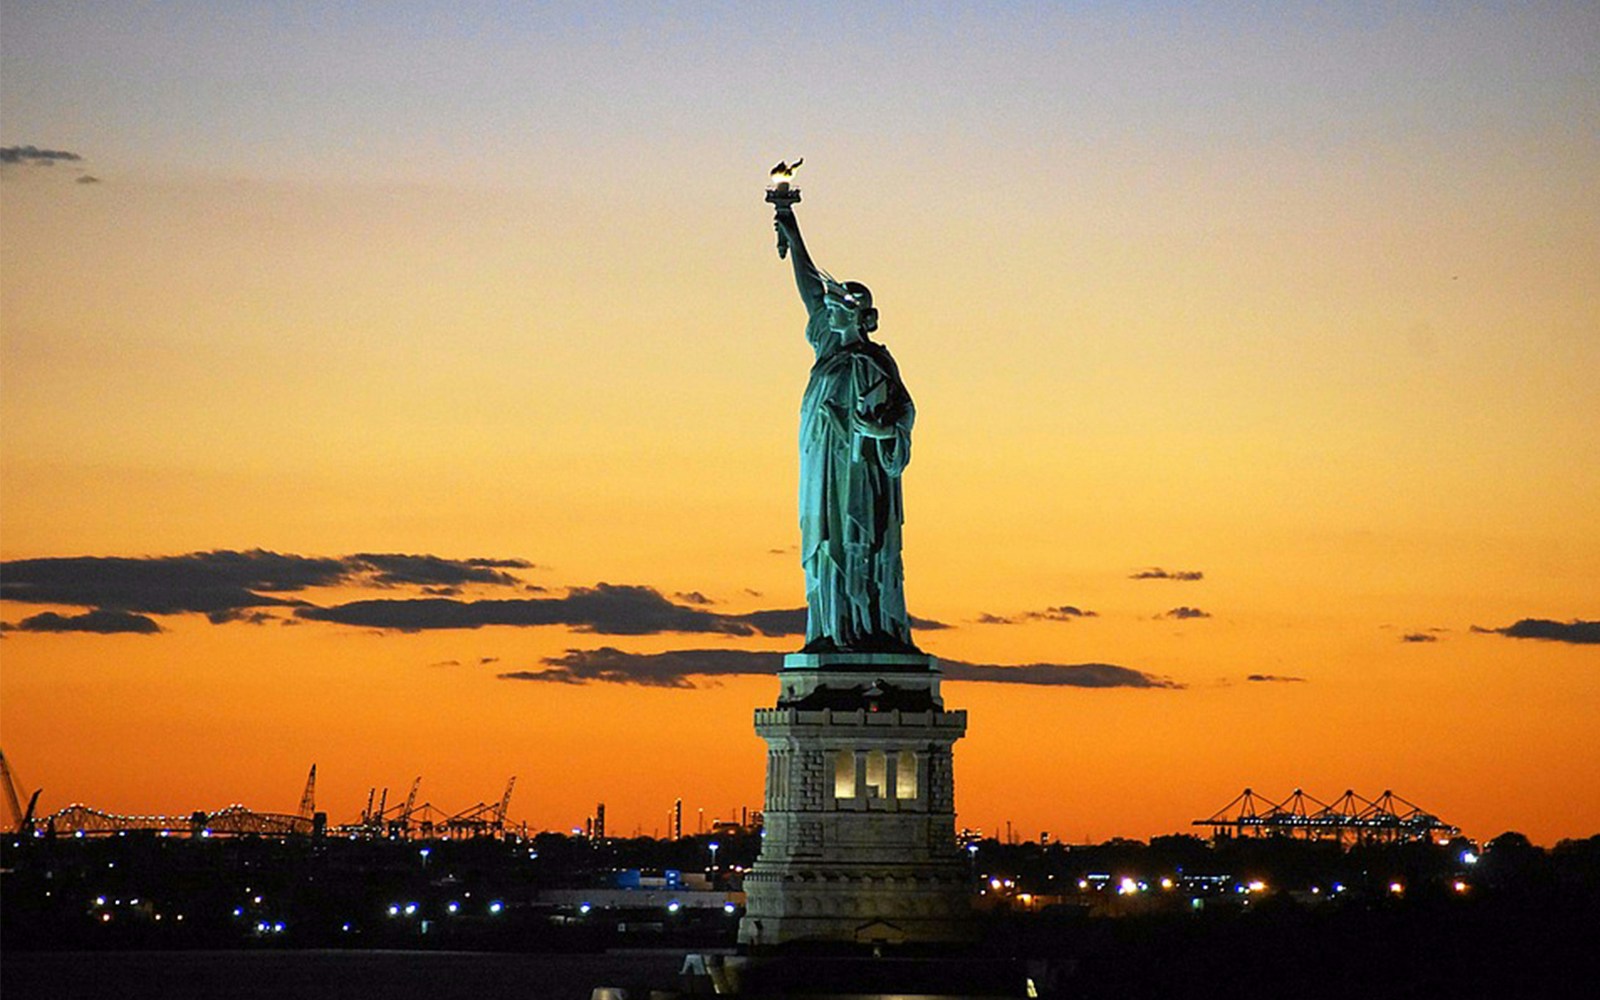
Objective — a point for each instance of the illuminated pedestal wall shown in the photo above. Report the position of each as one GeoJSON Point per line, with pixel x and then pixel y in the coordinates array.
{"type": "Point", "coordinates": [859, 841]}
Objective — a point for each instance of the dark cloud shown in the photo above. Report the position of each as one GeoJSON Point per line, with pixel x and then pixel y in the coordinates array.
{"type": "Point", "coordinates": [988, 619]}
{"type": "Point", "coordinates": [484, 661]}
{"type": "Point", "coordinates": [1275, 679]}
{"type": "Point", "coordinates": [1157, 573]}
{"type": "Point", "coordinates": [670, 669]}
{"type": "Point", "coordinates": [674, 668]}
{"type": "Point", "coordinates": [1419, 637]}
{"type": "Point", "coordinates": [1577, 632]}
{"type": "Point", "coordinates": [445, 663]}
{"type": "Point", "coordinates": [87, 179]}
{"type": "Point", "coordinates": [391, 569]}
{"type": "Point", "coordinates": [36, 156]}
{"type": "Point", "coordinates": [1089, 675]}
{"type": "Point", "coordinates": [776, 622]}
{"type": "Point", "coordinates": [693, 597]}
{"type": "Point", "coordinates": [99, 621]}
{"type": "Point", "coordinates": [242, 615]}
{"type": "Point", "coordinates": [204, 582]}
{"type": "Point", "coordinates": [1181, 613]}
{"type": "Point", "coordinates": [222, 582]}
{"type": "Point", "coordinates": [1064, 613]}
{"type": "Point", "coordinates": [608, 609]}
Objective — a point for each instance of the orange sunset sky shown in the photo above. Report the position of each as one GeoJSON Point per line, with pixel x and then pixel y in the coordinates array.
{"type": "Point", "coordinates": [1254, 347]}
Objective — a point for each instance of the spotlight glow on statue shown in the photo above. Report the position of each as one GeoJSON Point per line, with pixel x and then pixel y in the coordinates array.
{"type": "Point", "coordinates": [855, 441]}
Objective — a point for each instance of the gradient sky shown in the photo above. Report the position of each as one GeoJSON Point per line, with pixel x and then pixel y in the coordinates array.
{"type": "Point", "coordinates": [1302, 298]}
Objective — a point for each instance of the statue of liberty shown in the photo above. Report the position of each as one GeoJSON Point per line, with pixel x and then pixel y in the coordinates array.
{"type": "Point", "coordinates": [855, 441]}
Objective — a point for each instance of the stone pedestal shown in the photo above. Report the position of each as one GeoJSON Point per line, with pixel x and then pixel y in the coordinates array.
{"type": "Point", "coordinates": [859, 842]}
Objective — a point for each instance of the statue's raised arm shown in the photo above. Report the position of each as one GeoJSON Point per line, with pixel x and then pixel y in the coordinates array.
{"type": "Point", "coordinates": [807, 277]}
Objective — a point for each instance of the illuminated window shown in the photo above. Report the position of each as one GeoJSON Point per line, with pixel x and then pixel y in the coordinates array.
{"type": "Point", "coordinates": [905, 775]}
{"type": "Point", "coordinates": [877, 775]}
{"type": "Point", "coordinates": [844, 775]}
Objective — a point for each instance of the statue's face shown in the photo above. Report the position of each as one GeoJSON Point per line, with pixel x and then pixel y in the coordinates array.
{"type": "Point", "coordinates": [843, 318]}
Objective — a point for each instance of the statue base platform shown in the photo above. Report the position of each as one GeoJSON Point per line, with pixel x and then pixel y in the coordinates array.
{"type": "Point", "coordinates": [859, 844]}
{"type": "Point", "coordinates": [827, 680]}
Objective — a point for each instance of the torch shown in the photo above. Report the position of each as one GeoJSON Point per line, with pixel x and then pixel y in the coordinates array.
{"type": "Point", "coordinates": [783, 195]}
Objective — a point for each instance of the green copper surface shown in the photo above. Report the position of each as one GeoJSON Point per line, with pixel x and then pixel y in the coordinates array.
{"type": "Point", "coordinates": [855, 441]}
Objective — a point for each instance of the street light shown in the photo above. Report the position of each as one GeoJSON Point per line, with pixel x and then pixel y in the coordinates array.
{"type": "Point", "coordinates": [713, 845]}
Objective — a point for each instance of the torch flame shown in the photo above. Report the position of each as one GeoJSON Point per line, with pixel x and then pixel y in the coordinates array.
{"type": "Point", "coordinates": [784, 171]}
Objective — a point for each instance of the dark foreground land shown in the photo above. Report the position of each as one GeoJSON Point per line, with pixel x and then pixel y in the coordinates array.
{"type": "Point", "coordinates": [1174, 918]}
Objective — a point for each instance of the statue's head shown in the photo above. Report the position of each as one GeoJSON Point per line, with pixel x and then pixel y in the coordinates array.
{"type": "Point", "coordinates": [866, 314]}
{"type": "Point", "coordinates": [850, 310]}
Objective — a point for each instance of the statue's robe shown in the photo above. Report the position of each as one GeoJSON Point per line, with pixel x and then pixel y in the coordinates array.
{"type": "Point", "coordinates": [850, 500]}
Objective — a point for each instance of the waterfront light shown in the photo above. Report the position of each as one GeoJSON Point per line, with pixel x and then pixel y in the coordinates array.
{"type": "Point", "coordinates": [728, 908]}
{"type": "Point", "coordinates": [673, 906]}
{"type": "Point", "coordinates": [496, 906]}
{"type": "Point", "coordinates": [584, 907]}
{"type": "Point", "coordinates": [394, 910]}
{"type": "Point", "coordinates": [411, 908]}
{"type": "Point", "coordinates": [454, 906]}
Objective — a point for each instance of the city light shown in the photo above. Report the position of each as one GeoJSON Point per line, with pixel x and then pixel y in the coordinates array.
{"type": "Point", "coordinates": [584, 907]}
{"type": "Point", "coordinates": [674, 906]}
{"type": "Point", "coordinates": [453, 906]}
{"type": "Point", "coordinates": [1127, 887]}
{"type": "Point", "coordinates": [1396, 888]}
{"type": "Point", "coordinates": [1468, 858]}
{"type": "Point", "coordinates": [411, 908]}
{"type": "Point", "coordinates": [496, 906]}
{"type": "Point", "coordinates": [729, 908]}
{"type": "Point", "coordinates": [394, 910]}
{"type": "Point", "coordinates": [1460, 886]}
{"type": "Point", "coordinates": [1166, 883]}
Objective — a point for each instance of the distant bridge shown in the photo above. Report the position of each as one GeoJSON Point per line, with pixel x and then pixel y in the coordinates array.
{"type": "Point", "coordinates": [233, 821]}
{"type": "Point", "coordinates": [1349, 819]}
{"type": "Point", "coordinates": [402, 822]}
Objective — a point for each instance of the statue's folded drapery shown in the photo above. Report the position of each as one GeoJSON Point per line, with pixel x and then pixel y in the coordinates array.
{"type": "Point", "coordinates": [855, 440]}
